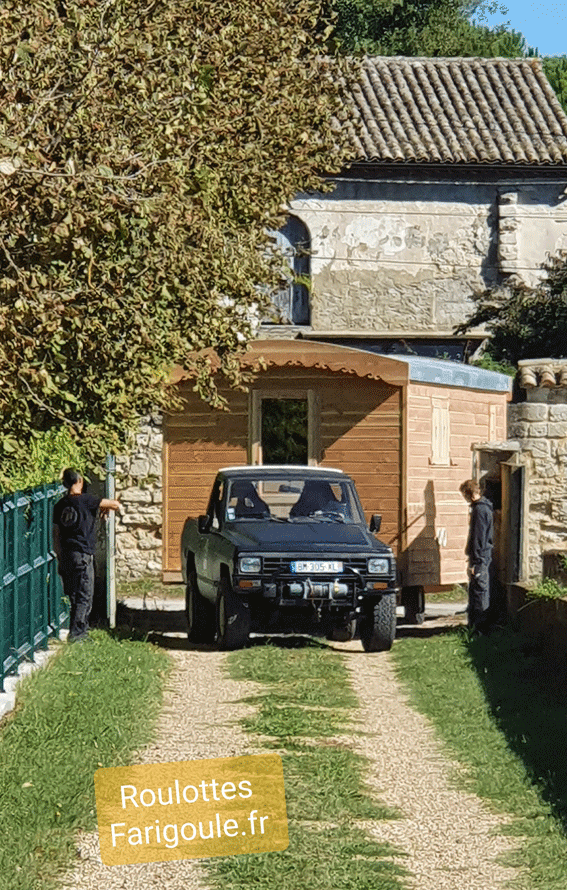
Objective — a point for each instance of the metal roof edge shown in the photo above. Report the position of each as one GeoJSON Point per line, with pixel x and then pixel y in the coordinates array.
{"type": "Point", "coordinates": [446, 373]}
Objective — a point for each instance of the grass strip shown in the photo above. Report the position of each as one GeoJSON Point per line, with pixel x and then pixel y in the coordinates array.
{"type": "Point", "coordinates": [90, 706]}
{"type": "Point", "coordinates": [304, 702]}
{"type": "Point", "coordinates": [503, 715]}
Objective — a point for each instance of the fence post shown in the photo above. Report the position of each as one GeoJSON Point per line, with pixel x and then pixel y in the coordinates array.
{"type": "Point", "coordinates": [15, 570]}
{"type": "Point", "coordinates": [46, 568]}
{"type": "Point", "coordinates": [111, 543]}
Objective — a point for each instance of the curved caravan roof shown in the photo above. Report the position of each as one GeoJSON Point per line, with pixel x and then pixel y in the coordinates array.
{"type": "Point", "coordinates": [397, 370]}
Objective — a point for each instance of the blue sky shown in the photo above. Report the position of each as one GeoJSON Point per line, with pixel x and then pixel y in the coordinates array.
{"type": "Point", "coordinates": [542, 22]}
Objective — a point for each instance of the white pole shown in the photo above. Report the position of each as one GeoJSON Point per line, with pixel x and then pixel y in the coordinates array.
{"type": "Point", "coordinates": [111, 543]}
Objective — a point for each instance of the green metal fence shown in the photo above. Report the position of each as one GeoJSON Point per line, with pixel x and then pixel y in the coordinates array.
{"type": "Point", "coordinates": [31, 605]}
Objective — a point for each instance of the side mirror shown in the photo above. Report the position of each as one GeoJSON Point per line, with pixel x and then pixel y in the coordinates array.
{"type": "Point", "coordinates": [204, 524]}
{"type": "Point", "coordinates": [375, 522]}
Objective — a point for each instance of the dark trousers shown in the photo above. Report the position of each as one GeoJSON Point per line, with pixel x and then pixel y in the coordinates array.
{"type": "Point", "coordinates": [479, 595]}
{"type": "Point", "coordinates": [77, 571]}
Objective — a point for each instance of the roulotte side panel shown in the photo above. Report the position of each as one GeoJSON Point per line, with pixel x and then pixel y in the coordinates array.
{"type": "Point", "coordinates": [198, 441]}
{"type": "Point", "coordinates": [361, 430]}
{"type": "Point", "coordinates": [442, 425]}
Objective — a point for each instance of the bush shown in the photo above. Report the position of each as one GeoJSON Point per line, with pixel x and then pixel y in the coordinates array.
{"type": "Point", "coordinates": [49, 453]}
{"type": "Point", "coordinates": [548, 589]}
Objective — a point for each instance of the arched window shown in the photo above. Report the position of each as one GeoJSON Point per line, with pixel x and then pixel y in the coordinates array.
{"type": "Point", "coordinates": [292, 301]}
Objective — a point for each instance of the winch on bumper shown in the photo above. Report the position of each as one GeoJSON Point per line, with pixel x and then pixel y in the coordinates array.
{"type": "Point", "coordinates": [290, 592]}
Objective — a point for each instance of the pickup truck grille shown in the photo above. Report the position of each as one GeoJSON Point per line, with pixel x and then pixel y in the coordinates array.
{"type": "Point", "coordinates": [280, 564]}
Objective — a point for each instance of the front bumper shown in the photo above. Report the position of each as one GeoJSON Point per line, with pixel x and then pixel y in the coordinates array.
{"type": "Point", "coordinates": [293, 591]}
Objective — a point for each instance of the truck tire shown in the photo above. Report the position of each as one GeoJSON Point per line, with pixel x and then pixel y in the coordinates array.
{"type": "Point", "coordinates": [413, 601]}
{"type": "Point", "coordinates": [200, 615]}
{"type": "Point", "coordinates": [233, 618]}
{"type": "Point", "coordinates": [378, 624]}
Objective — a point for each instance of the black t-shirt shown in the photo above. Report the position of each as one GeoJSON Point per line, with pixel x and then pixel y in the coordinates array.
{"type": "Point", "coordinates": [75, 515]}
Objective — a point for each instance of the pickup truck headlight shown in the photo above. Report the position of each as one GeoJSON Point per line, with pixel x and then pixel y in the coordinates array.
{"type": "Point", "coordinates": [378, 566]}
{"type": "Point", "coordinates": [250, 565]}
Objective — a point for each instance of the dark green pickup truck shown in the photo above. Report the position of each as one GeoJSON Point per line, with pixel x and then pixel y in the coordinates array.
{"type": "Point", "coordinates": [285, 549]}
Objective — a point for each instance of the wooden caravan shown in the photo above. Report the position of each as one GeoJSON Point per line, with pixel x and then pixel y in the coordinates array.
{"type": "Point", "coordinates": [402, 427]}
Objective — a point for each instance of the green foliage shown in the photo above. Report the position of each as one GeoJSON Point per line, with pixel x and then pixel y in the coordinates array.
{"type": "Point", "coordinates": [548, 589]}
{"type": "Point", "coordinates": [144, 151]}
{"type": "Point", "coordinates": [284, 431]}
{"type": "Point", "coordinates": [422, 28]}
{"type": "Point", "coordinates": [489, 364]}
{"type": "Point", "coordinates": [47, 454]}
{"type": "Point", "coordinates": [526, 323]}
{"type": "Point", "coordinates": [555, 69]}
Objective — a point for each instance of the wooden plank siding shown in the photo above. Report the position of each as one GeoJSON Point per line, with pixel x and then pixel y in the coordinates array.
{"type": "Point", "coordinates": [436, 521]}
{"type": "Point", "coordinates": [198, 441]}
{"type": "Point", "coordinates": [361, 433]}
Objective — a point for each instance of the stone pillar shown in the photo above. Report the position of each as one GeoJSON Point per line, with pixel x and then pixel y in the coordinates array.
{"type": "Point", "coordinates": [540, 426]}
{"type": "Point", "coordinates": [139, 489]}
{"type": "Point", "coordinates": [508, 232]}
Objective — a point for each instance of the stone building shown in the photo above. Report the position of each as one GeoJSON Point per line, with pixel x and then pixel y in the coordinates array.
{"type": "Point", "coordinates": [457, 183]}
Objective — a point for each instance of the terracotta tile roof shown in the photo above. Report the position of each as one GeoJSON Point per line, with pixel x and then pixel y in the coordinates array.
{"type": "Point", "coordinates": [542, 372]}
{"type": "Point", "coordinates": [455, 111]}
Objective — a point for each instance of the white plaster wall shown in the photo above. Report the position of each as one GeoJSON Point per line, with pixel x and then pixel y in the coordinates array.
{"type": "Point", "coordinates": [407, 257]}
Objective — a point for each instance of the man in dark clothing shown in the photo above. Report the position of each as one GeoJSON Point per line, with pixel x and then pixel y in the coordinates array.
{"type": "Point", "coordinates": [74, 518]}
{"type": "Point", "coordinates": [479, 552]}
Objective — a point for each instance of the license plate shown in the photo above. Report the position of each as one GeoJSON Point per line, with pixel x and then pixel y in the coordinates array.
{"type": "Point", "coordinates": [316, 566]}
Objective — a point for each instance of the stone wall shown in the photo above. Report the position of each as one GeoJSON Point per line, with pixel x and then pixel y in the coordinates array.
{"type": "Point", "coordinates": [540, 426]}
{"type": "Point", "coordinates": [139, 489]}
{"type": "Point", "coordinates": [395, 257]}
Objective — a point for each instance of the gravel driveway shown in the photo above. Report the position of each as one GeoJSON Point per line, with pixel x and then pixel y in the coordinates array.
{"type": "Point", "coordinates": [451, 839]}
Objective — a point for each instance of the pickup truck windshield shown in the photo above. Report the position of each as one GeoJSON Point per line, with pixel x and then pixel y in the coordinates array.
{"type": "Point", "coordinates": [292, 500]}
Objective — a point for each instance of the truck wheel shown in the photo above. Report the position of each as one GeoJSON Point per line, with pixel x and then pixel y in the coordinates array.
{"type": "Point", "coordinates": [343, 633]}
{"type": "Point", "coordinates": [413, 600]}
{"type": "Point", "coordinates": [378, 624]}
{"type": "Point", "coordinates": [200, 617]}
{"type": "Point", "coordinates": [233, 618]}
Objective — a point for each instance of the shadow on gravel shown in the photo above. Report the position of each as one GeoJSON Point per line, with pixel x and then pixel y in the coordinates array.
{"type": "Point", "coordinates": [168, 627]}
{"type": "Point", "coordinates": [528, 700]}
{"type": "Point", "coordinates": [431, 627]}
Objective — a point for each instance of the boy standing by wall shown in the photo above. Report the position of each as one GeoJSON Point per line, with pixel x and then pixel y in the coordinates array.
{"type": "Point", "coordinates": [479, 552]}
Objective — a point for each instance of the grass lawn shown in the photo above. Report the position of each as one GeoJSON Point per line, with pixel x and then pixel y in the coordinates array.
{"type": "Point", "coordinates": [504, 716]}
{"type": "Point", "coordinates": [92, 705]}
{"type": "Point", "coordinates": [457, 594]}
{"type": "Point", "coordinates": [306, 702]}
{"type": "Point", "coordinates": [150, 587]}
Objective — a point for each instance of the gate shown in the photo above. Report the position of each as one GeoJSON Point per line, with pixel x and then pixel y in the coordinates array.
{"type": "Point", "coordinates": [31, 605]}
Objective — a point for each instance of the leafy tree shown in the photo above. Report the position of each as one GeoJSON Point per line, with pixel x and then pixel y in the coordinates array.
{"type": "Point", "coordinates": [555, 68]}
{"type": "Point", "coordinates": [526, 322]}
{"type": "Point", "coordinates": [145, 148]}
{"type": "Point", "coordinates": [423, 28]}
